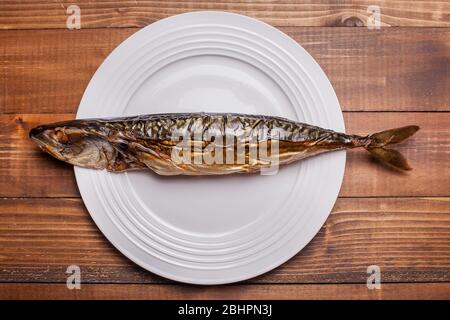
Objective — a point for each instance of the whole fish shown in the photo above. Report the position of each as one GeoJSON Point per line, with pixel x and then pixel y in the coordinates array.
{"type": "Point", "coordinates": [203, 143]}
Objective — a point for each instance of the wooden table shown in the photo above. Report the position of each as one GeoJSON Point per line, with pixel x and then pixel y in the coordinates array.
{"type": "Point", "coordinates": [394, 76]}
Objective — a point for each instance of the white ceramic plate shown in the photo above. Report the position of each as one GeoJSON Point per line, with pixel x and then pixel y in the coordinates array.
{"type": "Point", "coordinates": [212, 230]}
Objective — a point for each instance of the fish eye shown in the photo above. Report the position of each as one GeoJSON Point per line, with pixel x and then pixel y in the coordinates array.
{"type": "Point", "coordinates": [59, 135]}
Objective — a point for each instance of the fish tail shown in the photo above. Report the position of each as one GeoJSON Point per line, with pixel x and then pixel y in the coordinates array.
{"type": "Point", "coordinates": [376, 144]}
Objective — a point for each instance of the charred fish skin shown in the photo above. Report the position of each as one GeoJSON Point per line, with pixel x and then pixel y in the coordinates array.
{"type": "Point", "coordinates": [201, 143]}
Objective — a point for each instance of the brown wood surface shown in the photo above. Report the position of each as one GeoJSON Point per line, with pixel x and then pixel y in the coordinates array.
{"type": "Point", "coordinates": [39, 14]}
{"type": "Point", "coordinates": [383, 78]}
{"type": "Point", "coordinates": [408, 238]}
{"type": "Point", "coordinates": [406, 69]}
{"type": "Point", "coordinates": [28, 172]}
{"type": "Point", "coordinates": [426, 291]}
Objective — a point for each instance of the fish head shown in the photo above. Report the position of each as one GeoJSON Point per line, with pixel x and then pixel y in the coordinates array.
{"type": "Point", "coordinates": [75, 144]}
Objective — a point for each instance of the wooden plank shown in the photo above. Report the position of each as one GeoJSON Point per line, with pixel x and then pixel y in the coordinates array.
{"type": "Point", "coordinates": [427, 153]}
{"type": "Point", "coordinates": [410, 291]}
{"type": "Point", "coordinates": [25, 171]}
{"type": "Point", "coordinates": [47, 71]}
{"type": "Point", "coordinates": [98, 14]}
{"type": "Point", "coordinates": [408, 238]}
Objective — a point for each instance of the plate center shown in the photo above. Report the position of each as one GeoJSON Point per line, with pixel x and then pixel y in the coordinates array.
{"type": "Point", "coordinates": [211, 83]}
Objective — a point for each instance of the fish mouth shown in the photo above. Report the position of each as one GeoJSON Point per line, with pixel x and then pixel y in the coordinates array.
{"type": "Point", "coordinates": [36, 132]}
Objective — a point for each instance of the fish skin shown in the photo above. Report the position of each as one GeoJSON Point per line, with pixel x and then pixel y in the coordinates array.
{"type": "Point", "coordinates": [150, 141]}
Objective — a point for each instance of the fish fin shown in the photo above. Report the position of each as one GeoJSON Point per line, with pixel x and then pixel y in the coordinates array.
{"type": "Point", "coordinates": [378, 142]}
{"type": "Point", "coordinates": [391, 157]}
{"type": "Point", "coordinates": [393, 136]}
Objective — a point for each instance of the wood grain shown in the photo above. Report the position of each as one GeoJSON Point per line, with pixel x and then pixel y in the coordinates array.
{"type": "Point", "coordinates": [25, 171]}
{"type": "Point", "coordinates": [416, 291]}
{"type": "Point", "coordinates": [408, 238]}
{"type": "Point", "coordinates": [400, 222]}
{"type": "Point", "coordinates": [99, 14]}
{"type": "Point", "coordinates": [407, 69]}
